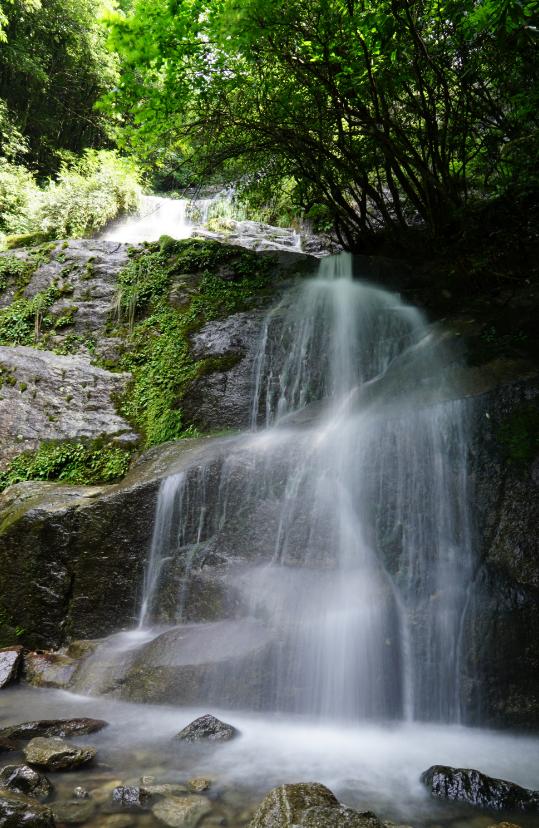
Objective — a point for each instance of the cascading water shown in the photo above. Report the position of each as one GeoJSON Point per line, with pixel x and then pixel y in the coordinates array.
{"type": "Point", "coordinates": [157, 217]}
{"type": "Point", "coordinates": [338, 535]}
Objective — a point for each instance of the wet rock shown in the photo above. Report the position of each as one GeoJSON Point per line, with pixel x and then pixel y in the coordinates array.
{"type": "Point", "coordinates": [166, 789]}
{"type": "Point", "coordinates": [199, 784]}
{"type": "Point", "coordinates": [208, 728]}
{"type": "Point", "coordinates": [7, 745]}
{"type": "Point", "coordinates": [53, 727]}
{"type": "Point", "coordinates": [24, 780]}
{"type": "Point", "coordinates": [475, 788]}
{"type": "Point", "coordinates": [117, 821]}
{"type": "Point", "coordinates": [184, 812]}
{"type": "Point", "coordinates": [81, 793]}
{"type": "Point", "coordinates": [284, 806]}
{"type": "Point", "coordinates": [103, 793]}
{"type": "Point", "coordinates": [504, 825]}
{"type": "Point", "coordinates": [73, 811]}
{"type": "Point", "coordinates": [130, 796]}
{"type": "Point", "coordinates": [10, 664]}
{"type": "Point", "coordinates": [48, 669]}
{"type": "Point", "coordinates": [55, 754]}
{"type": "Point", "coordinates": [337, 817]}
{"type": "Point", "coordinates": [16, 811]}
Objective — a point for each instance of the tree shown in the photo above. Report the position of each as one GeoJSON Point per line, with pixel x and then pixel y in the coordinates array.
{"type": "Point", "coordinates": [387, 112]}
{"type": "Point", "coordinates": [54, 66]}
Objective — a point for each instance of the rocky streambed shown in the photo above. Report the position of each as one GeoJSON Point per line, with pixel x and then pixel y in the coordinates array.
{"type": "Point", "coordinates": [143, 774]}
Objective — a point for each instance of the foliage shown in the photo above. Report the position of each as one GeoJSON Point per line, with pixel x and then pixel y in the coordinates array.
{"type": "Point", "coordinates": [79, 462]}
{"type": "Point", "coordinates": [54, 66]}
{"type": "Point", "coordinates": [87, 194]}
{"type": "Point", "coordinates": [385, 113]}
{"type": "Point", "coordinates": [216, 281]}
{"type": "Point", "coordinates": [13, 270]}
{"type": "Point", "coordinates": [17, 187]}
{"type": "Point", "coordinates": [24, 320]}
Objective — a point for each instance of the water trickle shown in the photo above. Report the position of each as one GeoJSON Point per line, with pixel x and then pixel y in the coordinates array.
{"type": "Point", "coordinates": [341, 528]}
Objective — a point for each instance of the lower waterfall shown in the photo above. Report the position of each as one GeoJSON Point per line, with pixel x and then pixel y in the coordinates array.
{"type": "Point", "coordinates": [338, 533]}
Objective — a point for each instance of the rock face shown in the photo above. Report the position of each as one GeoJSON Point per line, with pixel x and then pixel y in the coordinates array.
{"type": "Point", "coordinates": [308, 804]}
{"type": "Point", "coordinates": [18, 812]}
{"type": "Point", "coordinates": [54, 754]}
{"type": "Point", "coordinates": [53, 727]}
{"type": "Point", "coordinates": [25, 780]}
{"type": "Point", "coordinates": [10, 664]}
{"type": "Point", "coordinates": [56, 398]}
{"type": "Point", "coordinates": [208, 728]}
{"type": "Point", "coordinates": [475, 788]}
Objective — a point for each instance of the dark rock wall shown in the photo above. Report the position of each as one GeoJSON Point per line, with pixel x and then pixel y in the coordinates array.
{"type": "Point", "coordinates": [501, 631]}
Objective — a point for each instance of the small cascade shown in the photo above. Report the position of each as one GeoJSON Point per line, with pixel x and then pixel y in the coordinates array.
{"type": "Point", "coordinates": [157, 217]}
{"type": "Point", "coordinates": [334, 541]}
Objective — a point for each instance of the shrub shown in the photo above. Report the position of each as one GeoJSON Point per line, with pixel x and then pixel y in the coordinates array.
{"type": "Point", "coordinates": [88, 194]}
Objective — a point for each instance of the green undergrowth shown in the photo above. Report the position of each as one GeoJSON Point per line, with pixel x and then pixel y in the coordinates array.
{"type": "Point", "coordinates": [519, 433]}
{"type": "Point", "coordinates": [82, 462]}
{"type": "Point", "coordinates": [165, 294]}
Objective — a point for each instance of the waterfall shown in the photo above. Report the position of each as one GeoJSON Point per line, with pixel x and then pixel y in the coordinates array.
{"type": "Point", "coordinates": [158, 216]}
{"type": "Point", "coordinates": [340, 524]}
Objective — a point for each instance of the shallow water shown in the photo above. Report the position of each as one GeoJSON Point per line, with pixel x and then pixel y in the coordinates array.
{"type": "Point", "coordinates": [369, 767]}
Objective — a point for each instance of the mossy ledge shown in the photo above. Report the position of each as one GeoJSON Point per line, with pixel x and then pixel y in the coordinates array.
{"type": "Point", "coordinates": [166, 293]}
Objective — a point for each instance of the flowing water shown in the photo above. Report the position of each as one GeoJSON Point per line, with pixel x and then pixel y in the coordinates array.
{"type": "Point", "coordinates": [329, 553]}
{"type": "Point", "coordinates": [348, 537]}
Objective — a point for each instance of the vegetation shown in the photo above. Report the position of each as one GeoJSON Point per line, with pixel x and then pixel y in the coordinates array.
{"type": "Point", "coordinates": [209, 281]}
{"type": "Point", "coordinates": [78, 462]}
{"type": "Point", "coordinates": [383, 113]}
{"type": "Point", "coordinates": [518, 434]}
{"type": "Point", "coordinates": [85, 196]}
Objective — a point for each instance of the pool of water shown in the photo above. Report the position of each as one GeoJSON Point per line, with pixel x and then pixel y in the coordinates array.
{"type": "Point", "coordinates": [368, 766]}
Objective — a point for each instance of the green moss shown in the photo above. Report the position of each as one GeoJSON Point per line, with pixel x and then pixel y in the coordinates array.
{"type": "Point", "coordinates": [79, 462]}
{"type": "Point", "coordinates": [519, 434]}
{"type": "Point", "coordinates": [221, 280]}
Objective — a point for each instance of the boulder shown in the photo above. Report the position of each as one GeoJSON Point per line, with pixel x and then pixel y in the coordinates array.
{"type": "Point", "coordinates": [208, 728]}
{"type": "Point", "coordinates": [284, 806]}
{"type": "Point", "coordinates": [73, 811]}
{"type": "Point", "coordinates": [476, 788]}
{"type": "Point", "coordinates": [24, 780]}
{"type": "Point", "coordinates": [55, 754]}
{"type": "Point", "coordinates": [130, 796]}
{"type": "Point", "coordinates": [52, 727]}
{"type": "Point", "coordinates": [10, 664]}
{"type": "Point", "coordinates": [184, 812]}
{"type": "Point", "coordinates": [18, 812]}
{"type": "Point", "coordinates": [48, 669]}
{"type": "Point", "coordinates": [326, 816]}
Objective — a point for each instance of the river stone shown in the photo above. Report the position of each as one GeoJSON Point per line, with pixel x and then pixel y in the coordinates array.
{"type": "Point", "coordinates": [199, 784]}
{"type": "Point", "coordinates": [166, 789]}
{"type": "Point", "coordinates": [476, 788]}
{"type": "Point", "coordinates": [73, 811]}
{"type": "Point", "coordinates": [55, 754]}
{"type": "Point", "coordinates": [208, 728]}
{"type": "Point", "coordinates": [130, 796]}
{"type": "Point", "coordinates": [18, 812]}
{"type": "Point", "coordinates": [53, 727]}
{"type": "Point", "coordinates": [284, 806]}
{"type": "Point", "coordinates": [184, 812]}
{"type": "Point", "coordinates": [24, 780]}
{"type": "Point", "coordinates": [328, 816]}
{"type": "Point", "coordinates": [81, 793]}
{"type": "Point", "coordinates": [10, 664]}
{"type": "Point", "coordinates": [7, 745]}
{"type": "Point", "coordinates": [48, 669]}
